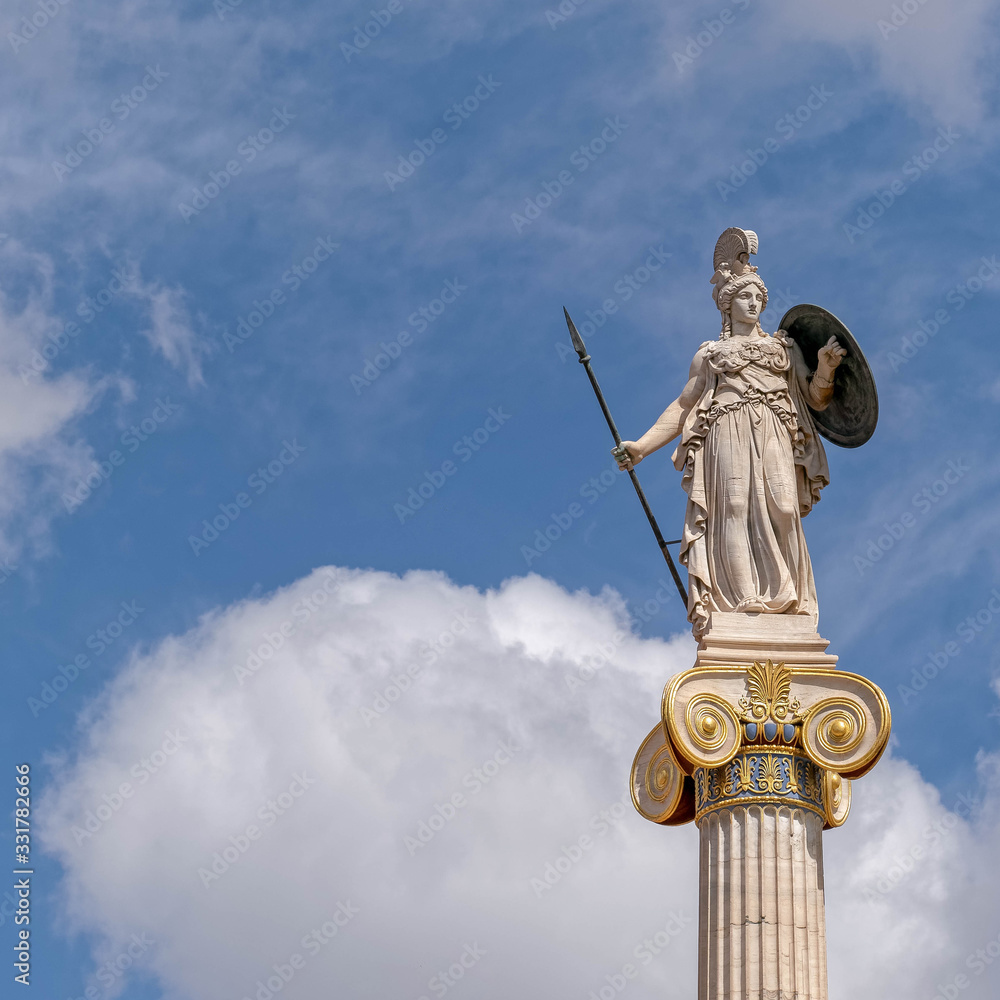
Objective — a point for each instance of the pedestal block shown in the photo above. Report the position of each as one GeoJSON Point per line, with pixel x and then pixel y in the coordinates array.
{"type": "Point", "coordinates": [733, 639]}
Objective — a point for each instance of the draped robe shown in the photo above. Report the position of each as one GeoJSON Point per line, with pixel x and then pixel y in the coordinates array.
{"type": "Point", "coordinates": [753, 465]}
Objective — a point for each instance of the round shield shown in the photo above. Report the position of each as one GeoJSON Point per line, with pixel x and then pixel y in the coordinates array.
{"type": "Point", "coordinates": [851, 417]}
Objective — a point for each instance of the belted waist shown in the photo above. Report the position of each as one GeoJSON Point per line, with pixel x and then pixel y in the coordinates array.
{"type": "Point", "coordinates": [776, 400]}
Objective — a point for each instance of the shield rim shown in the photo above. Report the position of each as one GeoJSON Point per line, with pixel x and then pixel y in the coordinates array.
{"type": "Point", "coordinates": [846, 339]}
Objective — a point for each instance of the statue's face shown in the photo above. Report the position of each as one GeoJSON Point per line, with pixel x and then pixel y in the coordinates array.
{"type": "Point", "coordinates": [747, 304]}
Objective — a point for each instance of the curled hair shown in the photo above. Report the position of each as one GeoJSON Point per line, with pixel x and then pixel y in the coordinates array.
{"type": "Point", "coordinates": [725, 299]}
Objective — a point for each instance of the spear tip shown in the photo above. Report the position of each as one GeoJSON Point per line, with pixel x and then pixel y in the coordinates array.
{"type": "Point", "coordinates": [574, 334]}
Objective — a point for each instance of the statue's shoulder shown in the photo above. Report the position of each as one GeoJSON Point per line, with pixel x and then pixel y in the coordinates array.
{"type": "Point", "coordinates": [791, 345]}
{"type": "Point", "coordinates": [703, 355]}
{"type": "Point", "coordinates": [700, 362]}
{"type": "Point", "coordinates": [781, 336]}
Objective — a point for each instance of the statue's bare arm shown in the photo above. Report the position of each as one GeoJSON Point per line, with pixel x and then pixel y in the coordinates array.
{"type": "Point", "coordinates": [817, 386]}
{"type": "Point", "coordinates": [670, 422]}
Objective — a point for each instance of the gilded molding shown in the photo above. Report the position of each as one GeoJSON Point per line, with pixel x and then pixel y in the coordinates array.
{"type": "Point", "coordinates": [761, 776]}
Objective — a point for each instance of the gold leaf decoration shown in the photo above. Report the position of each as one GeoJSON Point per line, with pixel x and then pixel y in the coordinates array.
{"type": "Point", "coordinates": [771, 777]}
{"type": "Point", "coordinates": [769, 688]}
{"type": "Point", "coordinates": [744, 769]}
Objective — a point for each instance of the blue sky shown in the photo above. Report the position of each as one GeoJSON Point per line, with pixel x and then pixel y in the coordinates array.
{"type": "Point", "coordinates": [217, 364]}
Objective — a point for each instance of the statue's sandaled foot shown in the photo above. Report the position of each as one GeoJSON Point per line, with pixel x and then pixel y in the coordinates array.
{"type": "Point", "coordinates": [751, 604]}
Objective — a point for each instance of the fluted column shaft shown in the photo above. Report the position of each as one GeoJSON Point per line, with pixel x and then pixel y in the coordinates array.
{"type": "Point", "coordinates": [762, 922]}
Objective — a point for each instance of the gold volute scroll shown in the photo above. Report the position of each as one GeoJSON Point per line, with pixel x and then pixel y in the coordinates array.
{"type": "Point", "coordinates": [705, 732]}
{"type": "Point", "coordinates": [836, 799]}
{"type": "Point", "coordinates": [661, 792]}
{"type": "Point", "coordinates": [839, 736]}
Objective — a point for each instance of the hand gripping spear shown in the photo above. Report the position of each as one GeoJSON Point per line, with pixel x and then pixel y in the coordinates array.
{"type": "Point", "coordinates": [581, 349]}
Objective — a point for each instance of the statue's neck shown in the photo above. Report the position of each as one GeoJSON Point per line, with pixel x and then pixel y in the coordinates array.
{"type": "Point", "coordinates": [744, 329]}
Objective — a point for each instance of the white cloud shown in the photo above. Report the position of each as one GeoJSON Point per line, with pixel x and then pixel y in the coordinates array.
{"type": "Point", "coordinates": [40, 455]}
{"type": "Point", "coordinates": [44, 460]}
{"type": "Point", "coordinates": [170, 331]}
{"type": "Point", "coordinates": [936, 58]}
{"type": "Point", "coordinates": [493, 671]}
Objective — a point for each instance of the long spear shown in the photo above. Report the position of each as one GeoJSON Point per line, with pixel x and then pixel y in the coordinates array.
{"type": "Point", "coordinates": [581, 350]}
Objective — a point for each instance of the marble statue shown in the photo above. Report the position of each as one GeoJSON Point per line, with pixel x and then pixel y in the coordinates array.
{"type": "Point", "coordinates": [752, 460]}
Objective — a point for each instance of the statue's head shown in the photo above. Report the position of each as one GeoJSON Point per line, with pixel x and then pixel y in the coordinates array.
{"type": "Point", "coordinates": [745, 298]}
{"type": "Point", "coordinates": [737, 285]}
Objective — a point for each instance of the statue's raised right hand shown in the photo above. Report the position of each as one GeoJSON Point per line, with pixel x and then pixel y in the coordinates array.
{"type": "Point", "coordinates": [627, 454]}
